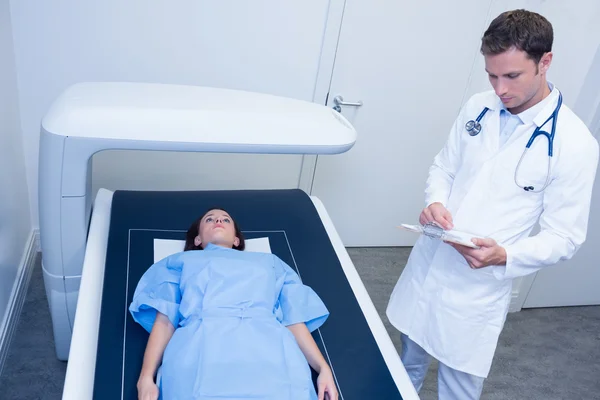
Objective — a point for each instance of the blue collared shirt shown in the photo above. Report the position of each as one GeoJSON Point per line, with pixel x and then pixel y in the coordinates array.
{"type": "Point", "coordinates": [510, 122]}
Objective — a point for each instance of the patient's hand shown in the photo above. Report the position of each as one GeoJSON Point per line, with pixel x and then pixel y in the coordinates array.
{"type": "Point", "coordinates": [147, 389]}
{"type": "Point", "coordinates": [326, 385]}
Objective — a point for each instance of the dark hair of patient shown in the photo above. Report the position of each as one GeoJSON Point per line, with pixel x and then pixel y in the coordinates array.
{"type": "Point", "coordinates": [195, 227]}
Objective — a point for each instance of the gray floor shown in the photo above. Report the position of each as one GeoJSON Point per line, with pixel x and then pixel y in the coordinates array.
{"type": "Point", "coordinates": [31, 370]}
{"type": "Point", "coordinates": [547, 354]}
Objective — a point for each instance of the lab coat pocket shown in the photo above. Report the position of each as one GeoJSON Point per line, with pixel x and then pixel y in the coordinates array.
{"type": "Point", "coordinates": [517, 169]}
{"type": "Point", "coordinates": [511, 205]}
{"type": "Point", "coordinates": [462, 318]}
{"type": "Point", "coordinates": [533, 175]}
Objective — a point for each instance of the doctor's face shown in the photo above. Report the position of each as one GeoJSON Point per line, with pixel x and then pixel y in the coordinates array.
{"type": "Point", "coordinates": [518, 80]}
{"type": "Point", "coordinates": [217, 227]}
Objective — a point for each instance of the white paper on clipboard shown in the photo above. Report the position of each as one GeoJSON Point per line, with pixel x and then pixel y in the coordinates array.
{"type": "Point", "coordinates": [434, 231]}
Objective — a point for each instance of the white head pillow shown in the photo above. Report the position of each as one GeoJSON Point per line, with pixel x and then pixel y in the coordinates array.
{"type": "Point", "coordinates": [165, 247]}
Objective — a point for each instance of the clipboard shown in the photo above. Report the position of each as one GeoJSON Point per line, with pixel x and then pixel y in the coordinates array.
{"type": "Point", "coordinates": [437, 232]}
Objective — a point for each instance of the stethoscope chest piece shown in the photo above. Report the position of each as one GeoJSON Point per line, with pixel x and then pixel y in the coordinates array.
{"type": "Point", "coordinates": [473, 127]}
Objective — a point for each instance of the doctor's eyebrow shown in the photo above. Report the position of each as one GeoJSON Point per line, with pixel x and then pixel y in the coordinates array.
{"type": "Point", "coordinates": [512, 74]}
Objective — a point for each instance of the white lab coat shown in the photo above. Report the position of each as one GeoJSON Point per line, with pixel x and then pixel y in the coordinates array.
{"type": "Point", "coordinates": [457, 313]}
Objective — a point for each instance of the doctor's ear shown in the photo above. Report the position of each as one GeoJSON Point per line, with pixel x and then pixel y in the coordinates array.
{"type": "Point", "coordinates": [545, 62]}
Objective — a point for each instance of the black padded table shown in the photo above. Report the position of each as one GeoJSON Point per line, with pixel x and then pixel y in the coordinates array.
{"type": "Point", "coordinates": [296, 234]}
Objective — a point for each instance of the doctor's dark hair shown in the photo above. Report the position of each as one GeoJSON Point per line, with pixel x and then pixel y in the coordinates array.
{"type": "Point", "coordinates": [194, 229]}
{"type": "Point", "coordinates": [525, 30]}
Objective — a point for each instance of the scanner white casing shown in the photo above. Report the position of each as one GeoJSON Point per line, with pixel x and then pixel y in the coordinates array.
{"type": "Point", "coordinates": [90, 117]}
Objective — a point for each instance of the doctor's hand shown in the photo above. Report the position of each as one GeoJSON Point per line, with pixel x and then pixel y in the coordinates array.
{"type": "Point", "coordinates": [437, 213]}
{"type": "Point", "coordinates": [326, 385]}
{"type": "Point", "coordinates": [147, 389]}
{"type": "Point", "coordinates": [488, 253]}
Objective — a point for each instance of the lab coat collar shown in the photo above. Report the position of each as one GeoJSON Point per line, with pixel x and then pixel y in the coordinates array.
{"type": "Point", "coordinates": [540, 112]}
{"type": "Point", "coordinates": [493, 102]}
{"type": "Point", "coordinates": [536, 114]}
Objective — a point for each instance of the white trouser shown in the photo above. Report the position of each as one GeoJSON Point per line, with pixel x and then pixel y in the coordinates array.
{"type": "Point", "coordinates": [452, 384]}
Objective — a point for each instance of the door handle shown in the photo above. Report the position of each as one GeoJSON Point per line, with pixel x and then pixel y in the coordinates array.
{"type": "Point", "coordinates": [338, 102]}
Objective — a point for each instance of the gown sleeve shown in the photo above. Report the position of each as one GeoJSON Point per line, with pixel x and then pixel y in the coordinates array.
{"type": "Point", "coordinates": [158, 290]}
{"type": "Point", "coordinates": [298, 302]}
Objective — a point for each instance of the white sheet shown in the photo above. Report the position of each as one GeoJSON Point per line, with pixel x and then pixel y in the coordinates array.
{"type": "Point", "coordinates": [165, 247]}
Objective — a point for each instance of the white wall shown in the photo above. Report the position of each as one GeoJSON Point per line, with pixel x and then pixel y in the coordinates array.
{"type": "Point", "coordinates": [265, 46]}
{"type": "Point", "coordinates": [15, 223]}
{"type": "Point", "coordinates": [588, 102]}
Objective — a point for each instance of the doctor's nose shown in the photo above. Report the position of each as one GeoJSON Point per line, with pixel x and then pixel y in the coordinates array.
{"type": "Point", "coordinates": [500, 89]}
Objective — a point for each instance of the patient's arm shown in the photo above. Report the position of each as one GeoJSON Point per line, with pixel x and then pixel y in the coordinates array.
{"type": "Point", "coordinates": [308, 346]}
{"type": "Point", "coordinates": [315, 360]}
{"type": "Point", "coordinates": [161, 333]}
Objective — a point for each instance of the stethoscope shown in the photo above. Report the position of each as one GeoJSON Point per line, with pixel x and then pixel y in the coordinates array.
{"type": "Point", "coordinates": [474, 128]}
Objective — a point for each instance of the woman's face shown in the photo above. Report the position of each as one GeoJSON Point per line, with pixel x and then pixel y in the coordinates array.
{"type": "Point", "coordinates": [216, 227]}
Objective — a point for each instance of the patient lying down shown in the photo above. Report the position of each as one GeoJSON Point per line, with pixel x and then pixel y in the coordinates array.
{"type": "Point", "coordinates": [228, 324]}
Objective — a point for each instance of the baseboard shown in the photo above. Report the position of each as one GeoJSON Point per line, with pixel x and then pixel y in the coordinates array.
{"type": "Point", "coordinates": [516, 296]}
{"type": "Point", "coordinates": [515, 302]}
{"type": "Point", "coordinates": [17, 295]}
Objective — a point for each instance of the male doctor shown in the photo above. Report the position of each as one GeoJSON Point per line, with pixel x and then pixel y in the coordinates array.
{"type": "Point", "coordinates": [451, 301]}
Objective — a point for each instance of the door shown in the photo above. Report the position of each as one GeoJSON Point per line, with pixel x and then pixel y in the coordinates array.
{"type": "Point", "coordinates": [401, 61]}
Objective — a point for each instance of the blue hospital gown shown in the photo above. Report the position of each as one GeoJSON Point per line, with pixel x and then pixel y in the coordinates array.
{"type": "Point", "coordinates": [231, 309]}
